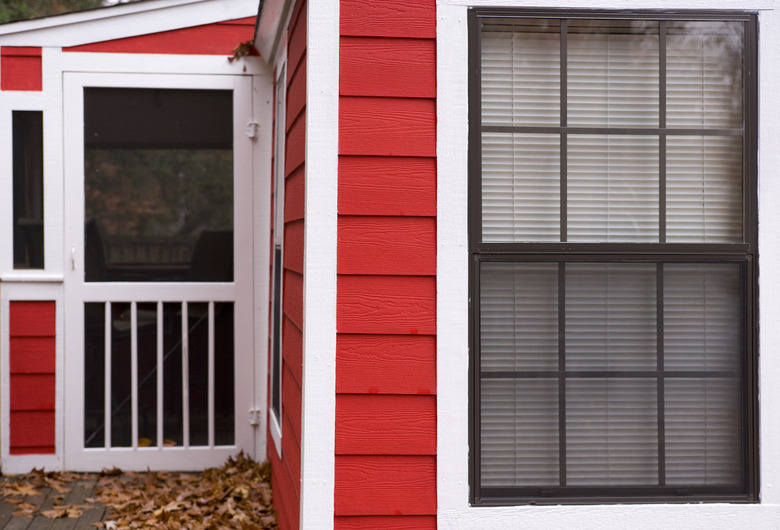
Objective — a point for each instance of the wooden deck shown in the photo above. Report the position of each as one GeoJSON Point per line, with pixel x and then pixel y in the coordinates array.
{"type": "Point", "coordinates": [71, 495]}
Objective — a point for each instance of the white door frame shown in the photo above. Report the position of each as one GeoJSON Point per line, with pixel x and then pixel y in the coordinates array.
{"type": "Point", "coordinates": [240, 291]}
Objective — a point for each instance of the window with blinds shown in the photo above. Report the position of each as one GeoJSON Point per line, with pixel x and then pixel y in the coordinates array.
{"type": "Point", "coordinates": [613, 242]}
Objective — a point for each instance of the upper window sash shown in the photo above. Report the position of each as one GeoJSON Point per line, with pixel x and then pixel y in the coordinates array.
{"type": "Point", "coordinates": [612, 130]}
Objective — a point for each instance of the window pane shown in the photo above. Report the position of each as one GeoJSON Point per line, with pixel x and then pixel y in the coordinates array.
{"type": "Point", "coordinates": [704, 189]}
{"type": "Point", "coordinates": [704, 74]}
{"type": "Point", "coordinates": [611, 316]}
{"type": "Point", "coordinates": [521, 184]}
{"type": "Point", "coordinates": [158, 185]}
{"type": "Point", "coordinates": [611, 432]}
{"type": "Point", "coordinates": [613, 73]}
{"type": "Point", "coordinates": [28, 189]}
{"type": "Point", "coordinates": [521, 73]}
{"type": "Point", "coordinates": [519, 432]}
{"type": "Point", "coordinates": [519, 316]}
{"type": "Point", "coordinates": [702, 310]}
{"type": "Point", "coordinates": [704, 432]}
{"type": "Point", "coordinates": [612, 188]}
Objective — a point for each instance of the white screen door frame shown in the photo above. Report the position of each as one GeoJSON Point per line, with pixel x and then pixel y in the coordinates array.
{"type": "Point", "coordinates": [239, 292]}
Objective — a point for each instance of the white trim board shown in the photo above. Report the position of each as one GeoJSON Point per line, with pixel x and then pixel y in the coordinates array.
{"type": "Point", "coordinates": [454, 510]}
{"type": "Point", "coordinates": [319, 264]}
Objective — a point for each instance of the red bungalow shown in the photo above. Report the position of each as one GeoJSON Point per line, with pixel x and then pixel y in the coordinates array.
{"type": "Point", "coordinates": [445, 263]}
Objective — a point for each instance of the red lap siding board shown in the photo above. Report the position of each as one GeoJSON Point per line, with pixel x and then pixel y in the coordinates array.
{"type": "Point", "coordinates": [20, 68]}
{"type": "Point", "coordinates": [32, 331]}
{"type": "Point", "coordinates": [385, 468]}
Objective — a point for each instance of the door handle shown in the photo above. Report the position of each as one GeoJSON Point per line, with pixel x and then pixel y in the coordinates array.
{"type": "Point", "coordinates": [73, 257]}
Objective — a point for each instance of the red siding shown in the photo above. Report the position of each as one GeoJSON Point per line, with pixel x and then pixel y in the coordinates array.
{"type": "Point", "coordinates": [379, 522]}
{"type": "Point", "coordinates": [386, 302]}
{"type": "Point", "coordinates": [286, 471]}
{"type": "Point", "coordinates": [385, 485]}
{"type": "Point", "coordinates": [21, 68]}
{"type": "Point", "coordinates": [212, 39]}
{"type": "Point", "coordinates": [32, 357]}
{"type": "Point", "coordinates": [386, 364]}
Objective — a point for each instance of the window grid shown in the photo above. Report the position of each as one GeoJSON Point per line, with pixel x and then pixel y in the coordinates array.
{"type": "Point", "coordinates": [659, 253]}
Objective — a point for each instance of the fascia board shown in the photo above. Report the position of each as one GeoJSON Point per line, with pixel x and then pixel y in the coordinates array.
{"type": "Point", "coordinates": [271, 24]}
{"type": "Point", "coordinates": [125, 20]}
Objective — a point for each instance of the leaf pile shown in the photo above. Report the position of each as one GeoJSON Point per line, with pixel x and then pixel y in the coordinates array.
{"type": "Point", "coordinates": [236, 495]}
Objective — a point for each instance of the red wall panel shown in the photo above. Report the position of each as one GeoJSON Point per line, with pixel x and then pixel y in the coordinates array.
{"type": "Point", "coordinates": [385, 364]}
{"type": "Point", "coordinates": [387, 67]}
{"type": "Point", "coordinates": [383, 185]}
{"type": "Point", "coordinates": [385, 485]}
{"type": "Point", "coordinates": [387, 245]}
{"type": "Point", "coordinates": [21, 68]}
{"type": "Point", "coordinates": [386, 305]}
{"type": "Point", "coordinates": [32, 360]}
{"type": "Point", "coordinates": [386, 299]}
{"type": "Point", "coordinates": [379, 522]}
{"type": "Point", "coordinates": [387, 126]}
{"type": "Point", "coordinates": [212, 39]}
{"type": "Point", "coordinates": [388, 18]}
{"type": "Point", "coordinates": [385, 425]}
{"type": "Point", "coordinates": [286, 471]}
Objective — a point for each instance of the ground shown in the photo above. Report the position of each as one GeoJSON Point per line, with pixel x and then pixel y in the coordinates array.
{"type": "Point", "coordinates": [236, 495]}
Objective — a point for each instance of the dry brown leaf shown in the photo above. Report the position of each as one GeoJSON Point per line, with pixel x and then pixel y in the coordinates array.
{"type": "Point", "coordinates": [25, 509]}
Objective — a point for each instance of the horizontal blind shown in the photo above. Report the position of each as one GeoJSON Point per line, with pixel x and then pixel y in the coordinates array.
{"type": "Point", "coordinates": [612, 78]}
{"type": "Point", "coordinates": [521, 187]}
{"type": "Point", "coordinates": [612, 188]}
{"type": "Point", "coordinates": [521, 74]}
{"type": "Point", "coordinates": [704, 75]}
{"type": "Point", "coordinates": [613, 384]}
{"type": "Point", "coordinates": [704, 189]}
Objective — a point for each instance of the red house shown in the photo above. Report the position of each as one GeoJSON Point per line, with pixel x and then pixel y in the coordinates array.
{"type": "Point", "coordinates": [452, 263]}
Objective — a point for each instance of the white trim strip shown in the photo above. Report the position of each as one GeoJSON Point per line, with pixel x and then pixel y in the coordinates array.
{"type": "Point", "coordinates": [319, 282]}
{"type": "Point", "coordinates": [185, 374]}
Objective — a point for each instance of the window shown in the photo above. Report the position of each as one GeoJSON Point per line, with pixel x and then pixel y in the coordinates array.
{"type": "Point", "coordinates": [28, 189]}
{"type": "Point", "coordinates": [277, 315]}
{"type": "Point", "coordinates": [613, 256]}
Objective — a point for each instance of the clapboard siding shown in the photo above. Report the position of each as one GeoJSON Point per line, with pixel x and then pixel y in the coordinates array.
{"type": "Point", "coordinates": [385, 485]}
{"type": "Point", "coordinates": [387, 126]}
{"type": "Point", "coordinates": [386, 364]}
{"type": "Point", "coordinates": [386, 305]}
{"type": "Point", "coordinates": [385, 438]}
{"type": "Point", "coordinates": [379, 522]}
{"type": "Point", "coordinates": [220, 38]}
{"type": "Point", "coordinates": [286, 471]}
{"type": "Point", "coordinates": [387, 245]}
{"type": "Point", "coordinates": [32, 362]}
{"type": "Point", "coordinates": [20, 68]}
{"type": "Point", "coordinates": [388, 18]}
{"type": "Point", "coordinates": [385, 425]}
{"type": "Point", "coordinates": [382, 185]}
{"type": "Point", "coordinates": [366, 61]}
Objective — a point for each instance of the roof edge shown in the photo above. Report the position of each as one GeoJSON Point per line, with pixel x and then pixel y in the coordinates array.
{"type": "Point", "coordinates": [121, 21]}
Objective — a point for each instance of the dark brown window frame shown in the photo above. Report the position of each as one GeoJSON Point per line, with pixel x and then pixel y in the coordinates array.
{"type": "Point", "coordinates": [745, 253]}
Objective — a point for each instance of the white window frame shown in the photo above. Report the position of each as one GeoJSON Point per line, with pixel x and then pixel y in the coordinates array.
{"type": "Point", "coordinates": [454, 510]}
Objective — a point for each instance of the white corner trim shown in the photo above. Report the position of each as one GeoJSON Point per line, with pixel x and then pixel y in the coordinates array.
{"type": "Point", "coordinates": [452, 353]}
{"type": "Point", "coordinates": [319, 282]}
{"type": "Point", "coordinates": [454, 510]}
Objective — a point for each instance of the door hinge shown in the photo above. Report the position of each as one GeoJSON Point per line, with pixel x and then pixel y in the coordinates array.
{"type": "Point", "coordinates": [252, 129]}
{"type": "Point", "coordinates": [254, 416]}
